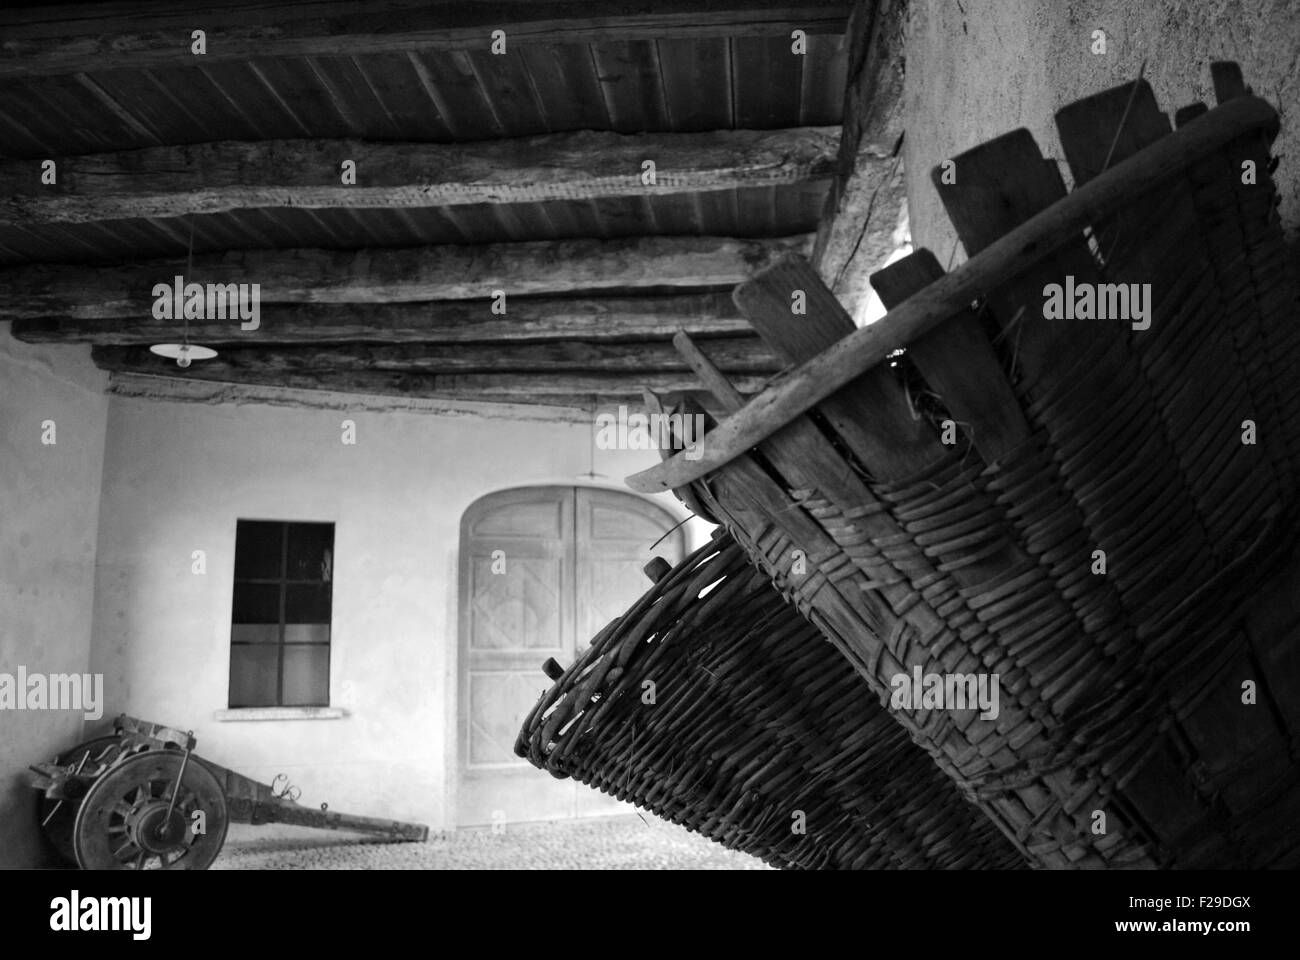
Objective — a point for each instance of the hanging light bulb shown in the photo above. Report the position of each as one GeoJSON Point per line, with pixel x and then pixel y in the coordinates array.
{"type": "Point", "coordinates": [184, 353]}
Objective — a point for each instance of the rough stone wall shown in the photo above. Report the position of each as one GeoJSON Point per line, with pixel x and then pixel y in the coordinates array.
{"type": "Point", "coordinates": [979, 68]}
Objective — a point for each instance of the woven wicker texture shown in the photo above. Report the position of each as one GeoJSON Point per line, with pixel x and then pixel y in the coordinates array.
{"type": "Point", "coordinates": [1149, 709]}
{"type": "Point", "coordinates": [757, 735]}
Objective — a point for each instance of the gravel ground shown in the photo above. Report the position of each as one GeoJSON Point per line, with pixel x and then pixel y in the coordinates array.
{"type": "Point", "coordinates": [614, 843]}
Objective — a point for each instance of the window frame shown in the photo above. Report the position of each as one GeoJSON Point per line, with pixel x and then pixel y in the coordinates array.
{"type": "Point", "coordinates": [283, 582]}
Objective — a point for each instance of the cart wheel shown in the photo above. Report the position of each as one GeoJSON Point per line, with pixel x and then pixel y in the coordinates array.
{"type": "Point", "coordinates": [123, 822]}
{"type": "Point", "coordinates": [57, 817]}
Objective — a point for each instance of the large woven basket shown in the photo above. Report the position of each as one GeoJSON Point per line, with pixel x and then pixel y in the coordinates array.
{"type": "Point", "coordinates": [1100, 513]}
{"type": "Point", "coordinates": [715, 705]}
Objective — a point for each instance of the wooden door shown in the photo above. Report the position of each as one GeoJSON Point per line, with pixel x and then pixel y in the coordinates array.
{"type": "Point", "coordinates": [542, 570]}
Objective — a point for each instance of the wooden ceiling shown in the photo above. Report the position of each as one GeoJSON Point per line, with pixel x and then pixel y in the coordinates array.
{"type": "Point", "coordinates": [476, 172]}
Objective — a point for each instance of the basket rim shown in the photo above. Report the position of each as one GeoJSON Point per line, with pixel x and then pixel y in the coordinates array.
{"type": "Point", "coordinates": [800, 388]}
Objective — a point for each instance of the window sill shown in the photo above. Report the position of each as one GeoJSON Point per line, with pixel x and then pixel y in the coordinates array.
{"type": "Point", "coordinates": [279, 713]}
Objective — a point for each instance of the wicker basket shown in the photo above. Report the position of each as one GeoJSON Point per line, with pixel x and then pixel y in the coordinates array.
{"type": "Point", "coordinates": [715, 705]}
{"type": "Point", "coordinates": [1106, 533]}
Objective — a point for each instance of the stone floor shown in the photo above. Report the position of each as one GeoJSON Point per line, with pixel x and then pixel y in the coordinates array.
{"type": "Point", "coordinates": [614, 843]}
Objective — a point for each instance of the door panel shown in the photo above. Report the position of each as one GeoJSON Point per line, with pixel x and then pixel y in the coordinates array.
{"type": "Point", "coordinates": [570, 561]}
{"type": "Point", "coordinates": [518, 608]}
{"type": "Point", "coordinates": [495, 699]}
{"type": "Point", "coordinates": [616, 534]}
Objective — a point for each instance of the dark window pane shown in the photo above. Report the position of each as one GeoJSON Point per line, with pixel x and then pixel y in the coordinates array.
{"type": "Point", "coordinates": [257, 550]}
{"type": "Point", "coordinates": [306, 633]}
{"type": "Point", "coordinates": [253, 675]}
{"type": "Point", "coordinates": [255, 633]}
{"type": "Point", "coordinates": [307, 676]}
{"type": "Point", "coordinates": [256, 603]}
{"type": "Point", "coordinates": [264, 671]}
{"type": "Point", "coordinates": [307, 603]}
{"type": "Point", "coordinates": [311, 551]}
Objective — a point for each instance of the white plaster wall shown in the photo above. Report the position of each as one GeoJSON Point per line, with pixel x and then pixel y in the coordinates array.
{"type": "Point", "coordinates": [178, 475]}
{"type": "Point", "coordinates": [49, 503]}
{"type": "Point", "coordinates": [979, 68]}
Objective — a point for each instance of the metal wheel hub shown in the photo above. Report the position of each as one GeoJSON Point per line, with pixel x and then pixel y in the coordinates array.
{"type": "Point", "coordinates": [153, 830]}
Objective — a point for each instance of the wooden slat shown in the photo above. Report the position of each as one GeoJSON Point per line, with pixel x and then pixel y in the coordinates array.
{"type": "Point", "coordinates": [652, 403]}
{"type": "Point", "coordinates": [801, 389]}
{"type": "Point", "coordinates": [1228, 81]}
{"type": "Point", "coordinates": [1109, 125]}
{"type": "Point", "coordinates": [958, 362]}
{"type": "Point", "coordinates": [396, 275]}
{"type": "Point", "coordinates": [1187, 114]}
{"type": "Point", "coordinates": [96, 37]}
{"type": "Point", "coordinates": [739, 354]}
{"type": "Point", "coordinates": [709, 375]}
{"type": "Point", "coordinates": [999, 185]}
{"type": "Point", "coordinates": [872, 414]}
{"type": "Point", "coordinates": [766, 77]}
{"type": "Point", "coordinates": [464, 385]}
{"type": "Point", "coordinates": [576, 102]}
{"type": "Point", "coordinates": [687, 67]}
{"type": "Point", "coordinates": [175, 181]}
{"type": "Point", "coordinates": [595, 319]}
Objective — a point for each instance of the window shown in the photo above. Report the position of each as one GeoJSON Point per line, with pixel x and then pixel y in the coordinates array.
{"type": "Point", "coordinates": [280, 617]}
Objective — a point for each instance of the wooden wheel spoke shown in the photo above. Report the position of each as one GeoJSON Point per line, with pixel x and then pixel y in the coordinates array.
{"type": "Point", "coordinates": [127, 848]}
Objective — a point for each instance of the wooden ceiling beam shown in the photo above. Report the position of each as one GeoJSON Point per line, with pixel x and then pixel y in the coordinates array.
{"type": "Point", "coordinates": [400, 274]}
{"type": "Point", "coordinates": [176, 181]}
{"type": "Point", "coordinates": [868, 199]}
{"type": "Point", "coordinates": [85, 38]}
{"type": "Point", "coordinates": [153, 386]}
{"type": "Point", "coordinates": [500, 387]}
{"type": "Point", "coordinates": [593, 319]}
{"type": "Point", "coordinates": [733, 354]}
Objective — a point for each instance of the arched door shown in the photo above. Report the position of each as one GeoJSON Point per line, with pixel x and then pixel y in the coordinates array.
{"type": "Point", "coordinates": [542, 570]}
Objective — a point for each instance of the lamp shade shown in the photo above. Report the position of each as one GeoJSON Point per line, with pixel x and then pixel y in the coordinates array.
{"type": "Point", "coordinates": [183, 353]}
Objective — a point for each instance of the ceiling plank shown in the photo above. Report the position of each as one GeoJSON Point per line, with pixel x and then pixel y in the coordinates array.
{"type": "Point", "coordinates": [85, 38]}
{"type": "Point", "coordinates": [478, 385]}
{"type": "Point", "coordinates": [176, 181]}
{"type": "Point", "coordinates": [868, 200]}
{"type": "Point", "coordinates": [594, 319]}
{"type": "Point", "coordinates": [402, 274]}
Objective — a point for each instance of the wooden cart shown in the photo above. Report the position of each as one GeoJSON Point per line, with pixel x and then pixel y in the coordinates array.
{"type": "Point", "coordinates": [141, 799]}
